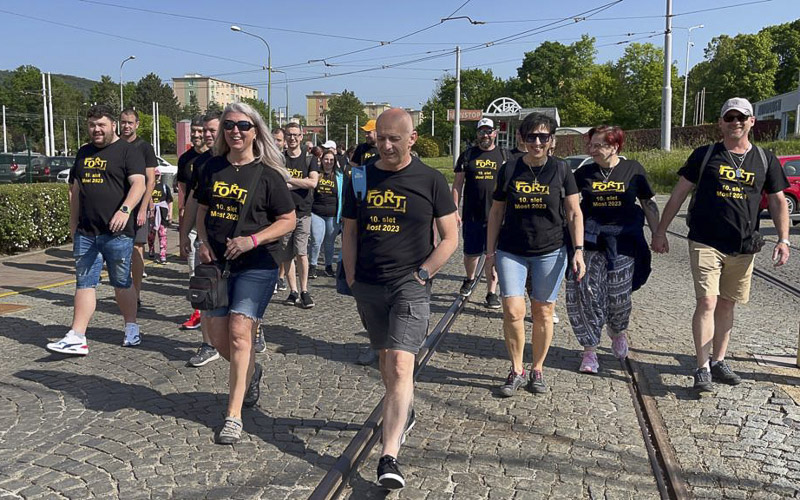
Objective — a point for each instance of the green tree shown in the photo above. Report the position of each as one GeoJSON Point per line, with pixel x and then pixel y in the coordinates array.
{"type": "Point", "coordinates": [262, 109]}
{"type": "Point", "coordinates": [214, 106]}
{"type": "Point", "coordinates": [786, 45]}
{"type": "Point", "coordinates": [192, 109]}
{"type": "Point", "coordinates": [150, 89]}
{"type": "Point", "coordinates": [342, 112]}
{"type": "Point", "coordinates": [106, 91]}
{"type": "Point", "coordinates": [167, 126]}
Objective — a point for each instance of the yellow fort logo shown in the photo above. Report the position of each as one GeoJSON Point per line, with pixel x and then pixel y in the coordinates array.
{"type": "Point", "coordinates": [608, 187]}
{"type": "Point", "coordinates": [386, 199]}
{"type": "Point", "coordinates": [531, 187]}
{"type": "Point", "coordinates": [95, 163]}
{"type": "Point", "coordinates": [486, 164]}
{"type": "Point", "coordinates": [229, 191]}
{"type": "Point", "coordinates": [729, 174]}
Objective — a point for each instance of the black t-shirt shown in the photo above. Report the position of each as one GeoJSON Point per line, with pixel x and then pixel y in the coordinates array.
{"type": "Point", "coordinates": [161, 192]}
{"type": "Point", "coordinates": [612, 199]}
{"type": "Point", "coordinates": [534, 222]}
{"type": "Point", "coordinates": [197, 170]}
{"type": "Point", "coordinates": [395, 220]}
{"type": "Point", "coordinates": [300, 168]}
{"type": "Point", "coordinates": [326, 196]}
{"type": "Point", "coordinates": [364, 152]}
{"type": "Point", "coordinates": [185, 164]}
{"type": "Point", "coordinates": [224, 191]}
{"type": "Point", "coordinates": [102, 177]}
{"type": "Point", "coordinates": [480, 177]}
{"type": "Point", "coordinates": [149, 154]}
{"type": "Point", "coordinates": [516, 153]}
{"type": "Point", "coordinates": [726, 207]}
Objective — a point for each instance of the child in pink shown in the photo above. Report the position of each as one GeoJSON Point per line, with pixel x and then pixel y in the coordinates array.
{"type": "Point", "coordinates": [160, 217]}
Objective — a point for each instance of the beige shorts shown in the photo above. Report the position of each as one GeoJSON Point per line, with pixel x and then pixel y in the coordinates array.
{"type": "Point", "coordinates": [295, 243]}
{"type": "Point", "coordinates": [719, 274]}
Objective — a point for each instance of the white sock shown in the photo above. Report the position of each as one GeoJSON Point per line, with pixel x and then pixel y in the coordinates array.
{"type": "Point", "coordinates": [131, 326]}
{"type": "Point", "coordinates": [73, 333]}
{"type": "Point", "coordinates": [715, 363]}
{"type": "Point", "coordinates": [706, 366]}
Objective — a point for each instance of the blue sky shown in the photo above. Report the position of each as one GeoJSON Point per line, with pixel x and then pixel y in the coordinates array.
{"type": "Point", "coordinates": [75, 37]}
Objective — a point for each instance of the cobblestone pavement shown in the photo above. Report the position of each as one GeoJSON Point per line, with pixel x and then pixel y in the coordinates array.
{"type": "Point", "coordinates": [137, 423]}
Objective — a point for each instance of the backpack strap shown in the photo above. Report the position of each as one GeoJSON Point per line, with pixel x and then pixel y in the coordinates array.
{"type": "Point", "coordinates": [763, 157]}
{"type": "Point", "coordinates": [706, 157]}
{"type": "Point", "coordinates": [358, 179]}
{"type": "Point", "coordinates": [504, 154]}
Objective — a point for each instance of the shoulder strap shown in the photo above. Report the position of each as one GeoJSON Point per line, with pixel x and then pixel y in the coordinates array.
{"type": "Point", "coordinates": [561, 167]}
{"type": "Point", "coordinates": [504, 154]}
{"type": "Point", "coordinates": [703, 164]}
{"type": "Point", "coordinates": [509, 172]}
{"type": "Point", "coordinates": [308, 158]}
{"type": "Point", "coordinates": [358, 178]}
{"type": "Point", "coordinates": [763, 157]}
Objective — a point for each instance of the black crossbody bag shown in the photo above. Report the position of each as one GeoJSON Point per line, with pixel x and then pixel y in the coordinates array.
{"type": "Point", "coordinates": [208, 288]}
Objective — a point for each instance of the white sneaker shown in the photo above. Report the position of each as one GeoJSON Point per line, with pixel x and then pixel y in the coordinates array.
{"type": "Point", "coordinates": [132, 336]}
{"type": "Point", "coordinates": [72, 343]}
{"type": "Point", "coordinates": [555, 318]}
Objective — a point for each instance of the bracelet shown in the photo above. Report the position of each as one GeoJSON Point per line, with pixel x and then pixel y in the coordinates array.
{"type": "Point", "coordinates": [490, 254]}
{"type": "Point", "coordinates": [785, 242]}
{"type": "Point", "coordinates": [578, 247]}
{"type": "Point", "coordinates": [255, 241]}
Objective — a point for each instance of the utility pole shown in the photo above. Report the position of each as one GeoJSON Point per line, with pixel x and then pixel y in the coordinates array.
{"type": "Point", "coordinates": [666, 98]}
{"type": "Point", "coordinates": [356, 129]}
{"type": "Point", "coordinates": [433, 119]}
{"type": "Point", "coordinates": [65, 138]}
{"type": "Point", "coordinates": [326, 127]}
{"type": "Point", "coordinates": [457, 122]}
{"type": "Point", "coordinates": [346, 136]}
{"type": "Point", "coordinates": [46, 119]}
{"type": "Point", "coordinates": [689, 44]}
{"type": "Point", "coordinates": [50, 110]}
{"type": "Point", "coordinates": [5, 138]}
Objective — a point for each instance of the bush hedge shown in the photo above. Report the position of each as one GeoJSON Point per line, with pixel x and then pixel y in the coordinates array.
{"type": "Point", "coordinates": [33, 216]}
{"type": "Point", "coordinates": [426, 147]}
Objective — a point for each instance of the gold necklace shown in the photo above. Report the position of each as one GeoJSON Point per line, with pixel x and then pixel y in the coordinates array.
{"type": "Point", "coordinates": [541, 167]}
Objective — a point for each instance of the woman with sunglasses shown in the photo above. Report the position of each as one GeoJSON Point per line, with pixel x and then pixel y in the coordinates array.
{"type": "Point", "coordinates": [247, 164]}
{"type": "Point", "coordinates": [535, 202]}
{"type": "Point", "coordinates": [325, 213]}
{"type": "Point", "coordinates": [617, 257]}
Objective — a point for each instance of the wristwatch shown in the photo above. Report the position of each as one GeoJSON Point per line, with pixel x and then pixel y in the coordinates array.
{"type": "Point", "coordinates": [578, 247]}
{"type": "Point", "coordinates": [423, 274]}
{"type": "Point", "coordinates": [125, 209]}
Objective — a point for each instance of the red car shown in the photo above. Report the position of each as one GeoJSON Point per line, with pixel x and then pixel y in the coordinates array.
{"type": "Point", "coordinates": [791, 165]}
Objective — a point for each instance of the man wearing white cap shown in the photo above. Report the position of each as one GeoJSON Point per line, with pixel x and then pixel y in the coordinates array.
{"type": "Point", "coordinates": [475, 178]}
{"type": "Point", "coordinates": [729, 177]}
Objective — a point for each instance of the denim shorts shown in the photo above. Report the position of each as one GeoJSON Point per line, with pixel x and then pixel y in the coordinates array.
{"type": "Point", "coordinates": [395, 315]}
{"type": "Point", "coordinates": [546, 273]}
{"type": "Point", "coordinates": [474, 234]}
{"type": "Point", "coordinates": [90, 252]}
{"type": "Point", "coordinates": [249, 293]}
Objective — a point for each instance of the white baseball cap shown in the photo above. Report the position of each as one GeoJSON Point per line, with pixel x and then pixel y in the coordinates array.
{"type": "Point", "coordinates": [740, 104]}
{"type": "Point", "coordinates": [329, 145]}
{"type": "Point", "coordinates": [486, 122]}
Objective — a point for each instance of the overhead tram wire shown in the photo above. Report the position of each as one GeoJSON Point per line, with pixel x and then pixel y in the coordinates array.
{"type": "Point", "coordinates": [130, 39]}
{"type": "Point", "coordinates": [212, 20]}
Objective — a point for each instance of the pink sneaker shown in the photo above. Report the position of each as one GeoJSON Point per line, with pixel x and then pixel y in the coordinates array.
{"type": "Point", "coordinates": [619, 345]}
{"type": "Point", "coordinates": [589, 363]}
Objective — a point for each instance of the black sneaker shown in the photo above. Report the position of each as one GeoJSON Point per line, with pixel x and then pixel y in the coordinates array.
{"type": "Point", "coordinates": [312, 272]}
{"type": "Point", "coordinates": [702, 380]}
{"type": "Point", "coordinates": [293, 299]}
{"type": "Point", "coordinates": [513, 382]}
{"type": "Point", "coordinates": [722, 372]}
{"type": "Point", "coordinates": [281, 285]}
{"type": "Point", "coordinates": [493, 301]}
{"type": "Point", "coordinates": [259, 344]}
{"type": "Point", "coordinates": [389, 475]}
{"type": "Point", "coordinates": [329, 272]}
{"type": "Point", "coordinates": [536, 383]}
{"type": "Point", "coordinates": [466, 288]}
{"type": "Point", "coordinates": [412, 419]}
{"type": "Point", "coordinates": [253, 388]}
{"type": "Point", "coordinates": [306, 302]}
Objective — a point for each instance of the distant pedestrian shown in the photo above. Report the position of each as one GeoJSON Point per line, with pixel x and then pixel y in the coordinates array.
{"type": "Point", "coordinates": [389, 259]}
{"type": "Point", "coordinates": [617, 256]}
{"type": "Point", "coordinates": [278, 135]}
{"type": "Point", "coordinates": [728, 178]}
{"type": "Point", "coordinates": [160, 218]}
{"type": "Point", "coordinates": [248, 169]}
{"type": "Point", "coordinates": [475, 178]}
{"type": "Point", "coordinates": [326, 214]}
{"type": "Point", "coordinates": [535, 210]}
{"type": "Point", "coordinates": [106, 181]}
{"type": "Point", "coordinates": [366, 151]}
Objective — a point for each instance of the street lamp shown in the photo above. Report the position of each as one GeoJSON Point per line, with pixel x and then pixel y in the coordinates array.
{"type": "Point", "coordinates": [689, 44]}
{"type": "Point", "coordinates": [121, 105]}
{"type": "Point", "coordinates": [286, 81]}
{"type": "Point", "coordinates": [269, 71]}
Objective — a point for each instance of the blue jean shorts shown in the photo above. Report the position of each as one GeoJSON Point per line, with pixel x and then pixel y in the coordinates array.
{"type": "Point", "coordinates": [474, 234]}
{"type": "Point", "coordinates": [249, 293]}
{"type": "Point", "coordinates": [546, 273]}
{"type": "Point", "coordinates": [90, 252]}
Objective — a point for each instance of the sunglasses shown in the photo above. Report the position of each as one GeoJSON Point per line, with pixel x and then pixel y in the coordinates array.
{"type": "Point", "coordinates": [543, 137]}
{"type": "Point", "coordinates": [242, 125]}
{"type": "Point", "coordinates": [485, 132]}
{"type": "Point", "coordinates": [740, 117]}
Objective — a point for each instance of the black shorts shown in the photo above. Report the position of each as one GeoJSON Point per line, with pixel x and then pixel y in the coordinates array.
{"type": "Point", "coordinates": [396, 315]}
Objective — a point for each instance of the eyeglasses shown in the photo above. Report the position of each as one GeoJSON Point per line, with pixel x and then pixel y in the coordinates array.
{"type": "Point", "coordinates": [542, 137]}
{"type": "Point", "coordinates": [729, 118]}
{"type": "Point", "coordinates": [242, 125]}
{"type": "Point", "coordinates": [598, 145]}
{"type": "Point", "coordinates": [294, 135]}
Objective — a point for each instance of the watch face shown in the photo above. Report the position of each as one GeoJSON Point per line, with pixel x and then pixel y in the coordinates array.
{"type": "Point", "coordinates": [423, 274]}
{"type": "Point", "coordinates": [124, 209]}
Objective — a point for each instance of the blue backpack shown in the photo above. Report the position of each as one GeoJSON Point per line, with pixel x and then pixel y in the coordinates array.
{"type": "Point", "coordinates": [358, 179]}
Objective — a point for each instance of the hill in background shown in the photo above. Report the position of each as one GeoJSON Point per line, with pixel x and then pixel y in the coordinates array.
{"type": "Point", "coordinates": [82, 85]}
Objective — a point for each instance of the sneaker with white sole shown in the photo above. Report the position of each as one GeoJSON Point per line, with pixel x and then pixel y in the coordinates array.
{"type": "Point", "coordinates": [132, 335]}
{"type": "Point", "coordinates": [589, 363]}
{"type": "Point", "coordinates": [555, 318]}
{"type": "Point", "coordinates": [389, 475]}
{"type": "Point", "coordinates": [205, 354]}
{"type": "Point", "coordinates": [619, 345]}
{"type": "Point", "coordinates": [72, 343]}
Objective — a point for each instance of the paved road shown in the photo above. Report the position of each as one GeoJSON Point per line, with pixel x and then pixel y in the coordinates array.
{"type": "Point", "coordinates": [137, 423]}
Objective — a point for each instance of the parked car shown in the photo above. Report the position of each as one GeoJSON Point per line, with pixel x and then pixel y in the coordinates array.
{"type": "Point", "coordinates": [167, 169]}
{"type": "Point", "coordinates": [791, 166]}
{"type": "Point", "coordinates": [12, 167]}
{"type": "Point", "coordinates": [577, 161]}
{"type": "Point", "coordinates": [47, 168]}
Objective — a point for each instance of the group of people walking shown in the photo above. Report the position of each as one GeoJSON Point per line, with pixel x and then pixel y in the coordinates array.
{"type": "Point", "coordinates": [250, 200]}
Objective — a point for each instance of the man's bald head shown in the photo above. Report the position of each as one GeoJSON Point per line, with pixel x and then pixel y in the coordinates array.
{"type": "Point", "coordinates": [396, 135]}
